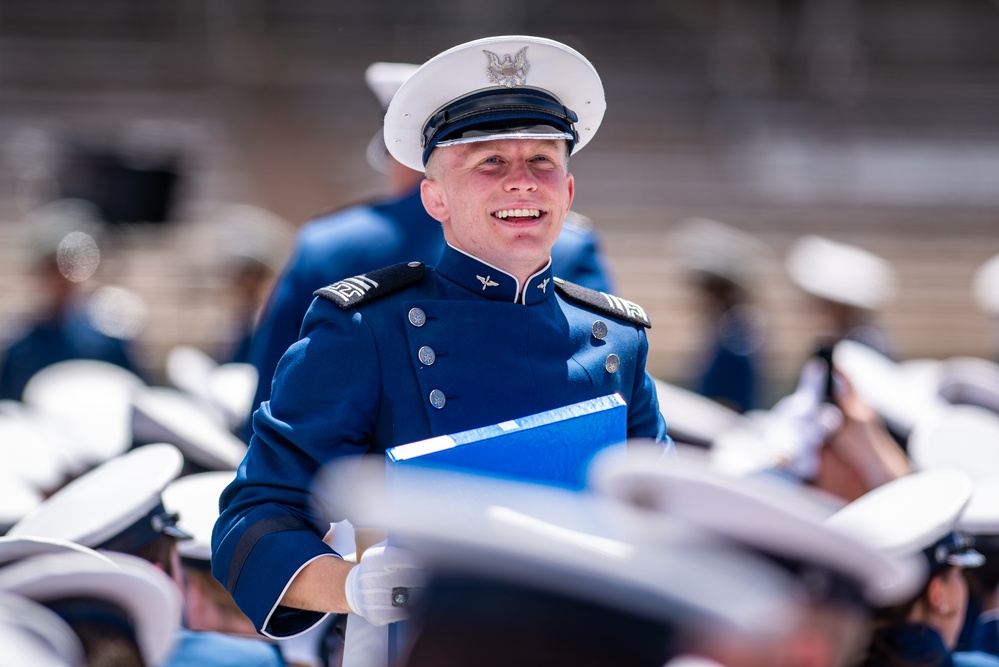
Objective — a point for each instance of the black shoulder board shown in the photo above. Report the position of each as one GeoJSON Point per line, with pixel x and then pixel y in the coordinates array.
{"type": "Point", "coordinates": [604, 303]}
{"type": "Point", "coordinates": [350, 292]}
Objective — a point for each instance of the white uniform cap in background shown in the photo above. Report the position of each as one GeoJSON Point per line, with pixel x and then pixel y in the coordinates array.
{"type": "Point", "coordinates": [384, 79]}
{"type": "Point", "coordinates": [92, 399]}
{"type": "Point", "coordinates": [163, 414]}
{"type": "Point", "coordinates": [712, 247]}
{"type": "Point", "coordinates": [841, 273]}
{"type": "Point", "coordinates": [224, 388]}
{"type": "Point", "coordinates": [985, 286]}
{"type": "Point", "coordinates": [115, 506]}
{"type": "Point", "coordinates": [692, 418]}
{"type": "Point", "coordinates": [18, 548]}
{"type": "Point", "coordinates": [248, 233]}
{"type": "Point", "coordinates": [33, 636]}
{"type": "Point", "coordinates": [566, 543]}
{"type": "Point", "coordinates": [971, 381]}
{"type": "Point", "coordinates": [911, 514]}
{"type": "Point", "coordinates": [515, 73]}
{"type": "Point", "coordinates": [767, 514]}
{"type": "Point", "coordinates": [900, 393]}
{"type": "Point", "coordinates": [17, 498]}
{"type": "Point", "coordinates": [149, 599]}
{"type": "Point", "coordinates": [965, 437]}
{"type": "Point", "coordinates": [231, 387]}
{"type": "Point", "coordinates": [981, 516]}
{"type": "Point", "coordinates": [195, 499]}
{"type": "Point", "coordinates": [27, 454]}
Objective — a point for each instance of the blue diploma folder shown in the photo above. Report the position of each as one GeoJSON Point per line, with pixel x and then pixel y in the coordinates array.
{"type": "Point", "coordinates": [553, 447]}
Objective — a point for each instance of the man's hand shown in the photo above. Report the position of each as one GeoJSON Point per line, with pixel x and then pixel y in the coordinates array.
{"type": "Point", "coordinates": [381, 587]}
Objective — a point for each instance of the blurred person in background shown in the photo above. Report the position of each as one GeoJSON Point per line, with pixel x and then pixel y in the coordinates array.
{"type": "Point", "coordinates": [721, 261]}
{"type": "Point", "coordinates": [919, 515]}
{"type": "Point", "coordinates": [841, 578]}
{"type": "Point", "coordinates": [822, 435]}
{"type": "Point", "coordinates": [70, 323]}
{"type": "Point", "coordinates": [254, 244]}
{"type": "Point", "coordinates": [118, 507]}
{"type": "Point", "coordinates": [396, 228]}
{"type": "Point", "coordinates": [849, 287]}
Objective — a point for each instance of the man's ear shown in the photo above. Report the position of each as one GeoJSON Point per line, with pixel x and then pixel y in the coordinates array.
{"type": "Point", "coordinates": [934, 592]}
{"type": "Point", "coordinates": [434, 199]}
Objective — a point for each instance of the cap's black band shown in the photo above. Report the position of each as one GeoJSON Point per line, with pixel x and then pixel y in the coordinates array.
{"type": "Point", "coordinates": [496, 110]}
{"type": "Point", "coordinates": [155, 523]}
{"type": "Point", "coordinates": [950, 549]}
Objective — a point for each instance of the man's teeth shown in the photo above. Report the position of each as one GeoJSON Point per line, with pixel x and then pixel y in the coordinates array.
{"type": "Point", "coordinates": [518, 213]}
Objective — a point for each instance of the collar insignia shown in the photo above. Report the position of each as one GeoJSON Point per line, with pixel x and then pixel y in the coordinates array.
{"type": "Point", "coordinates": [543, 285]}
{"type": "Point", "coordinates": [508, 72]}
{"type": "Point", "coordinates": [486, 282]}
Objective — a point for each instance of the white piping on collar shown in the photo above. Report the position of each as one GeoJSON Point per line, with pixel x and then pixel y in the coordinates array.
{"type": "Point", "coordinates": [521, 295]}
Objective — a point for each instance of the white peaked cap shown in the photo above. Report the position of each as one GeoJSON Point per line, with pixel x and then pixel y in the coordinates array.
{"type": "Point", "coordinates": [147, 596]}
{"type": "Point", "coordinates": [384, 79]}
{"type": "Point", "coordinates": [514, 63]}
{"type": "Point", "coordinates": [766, 514]}
{"type": "Point", "coordinates": [840, 272]}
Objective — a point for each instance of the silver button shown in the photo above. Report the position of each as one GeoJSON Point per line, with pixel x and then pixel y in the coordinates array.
{"type": "Point", "coordinates": [437, 399]}
{"type": "Point", "coordinates": [613, 363]}
{"type": "Point", "coordinates": [426, 355]}
{"type": "Point", "coordinates": [413, 264]}
{"type": "Point", "coordinates": [417, 317]}
{"type": "Point", "coordinates": [599, 330]}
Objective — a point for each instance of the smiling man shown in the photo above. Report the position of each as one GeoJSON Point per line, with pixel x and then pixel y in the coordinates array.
{"type": "Point", "coordinates": [409, 352]}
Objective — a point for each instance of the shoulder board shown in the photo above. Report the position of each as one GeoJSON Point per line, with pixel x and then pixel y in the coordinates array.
{"type": "Point", "coordinates": [603, 303]}
{"type": "Point", "coordinates": [351, 292]}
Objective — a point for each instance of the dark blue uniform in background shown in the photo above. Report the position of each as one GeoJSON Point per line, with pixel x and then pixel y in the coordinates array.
{"type": "Point", "coordinates": [401, 355]}
{"type": "Point", "coordinates": [51, 341]}
{"type": "Point", "coordinates": [368, 237]}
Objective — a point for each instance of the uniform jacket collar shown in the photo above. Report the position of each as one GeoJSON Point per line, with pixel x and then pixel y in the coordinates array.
{"type": "Point", "coordinates": [495, 284]}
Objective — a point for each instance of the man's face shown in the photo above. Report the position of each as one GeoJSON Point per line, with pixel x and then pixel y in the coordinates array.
{"type": "Point", "coordinates": [502, 201]}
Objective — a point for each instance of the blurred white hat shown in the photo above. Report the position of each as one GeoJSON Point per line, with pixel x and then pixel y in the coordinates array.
{"type": "Point", "coordinates": [985, 286]}
{"type": "Point", "coordinates": [384, 79]}
{"type": "Point", "coordinates": [568, 544]}
{"type": "Point", "coordinates": [712, 247]}
{"type": "Point", "coordinates": [31, 634]}
{"type": "Point", "coordinates": [164, 414]}
{"type": "Point", "coordinates": [195, 499]}
{"type": "Point", "coordinates": [90, 398]}
{"type": "Point", "coordinates": [694, 419]}
{"type": "Point", "coordinates": [839, 272]}
{"type": "Point", "coordinates": [965, 437]}
{"type": "Point", "coordinates": [116, 506]}
{"type": "Point", "coordinates": [981, 515]}
{"type": "Point", "coordinates": [148, 599]}
{"type": "Point", "coordinates": [970, 381]}
{"type": "Point", "coordinates": [769, 515]}
{"type": "Point", "coordinates": [917, 514]}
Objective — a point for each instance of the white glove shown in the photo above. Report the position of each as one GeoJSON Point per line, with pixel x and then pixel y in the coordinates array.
{"type": "Point", "coordinates": [380, 587]}
{"type": "Point", "coordinates": [799, 424]}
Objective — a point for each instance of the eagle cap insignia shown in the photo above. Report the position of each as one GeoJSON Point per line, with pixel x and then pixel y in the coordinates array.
{"type": "Point", "coordinates": [509, 72]}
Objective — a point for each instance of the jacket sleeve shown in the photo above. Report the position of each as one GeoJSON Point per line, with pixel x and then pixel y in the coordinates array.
{"type": "Point", "coordinates": [645, 419]}
{"type": "Point", "coordinates": [324, 401]}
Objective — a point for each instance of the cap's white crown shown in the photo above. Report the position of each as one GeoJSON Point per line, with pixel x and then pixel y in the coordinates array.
{"type": "Point", "coordinates": [467, 68]}
{"type": "Point", "coordinates": [842, 273]}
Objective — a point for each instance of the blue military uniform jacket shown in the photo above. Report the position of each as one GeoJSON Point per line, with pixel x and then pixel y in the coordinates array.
{"type": "Point", "coordinates": [400, 355]}
{"type": "Point", "coordinates": [363, 238]}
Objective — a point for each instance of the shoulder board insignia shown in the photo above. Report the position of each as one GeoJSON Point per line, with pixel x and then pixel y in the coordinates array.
{"type": "Point", "coordinates": [351, 292]}
{"type": "Point", "coordinates": [608, 304]}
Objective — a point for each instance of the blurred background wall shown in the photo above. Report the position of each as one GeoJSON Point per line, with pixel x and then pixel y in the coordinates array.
{"type": "Point", "coordinates": [874, 122]}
